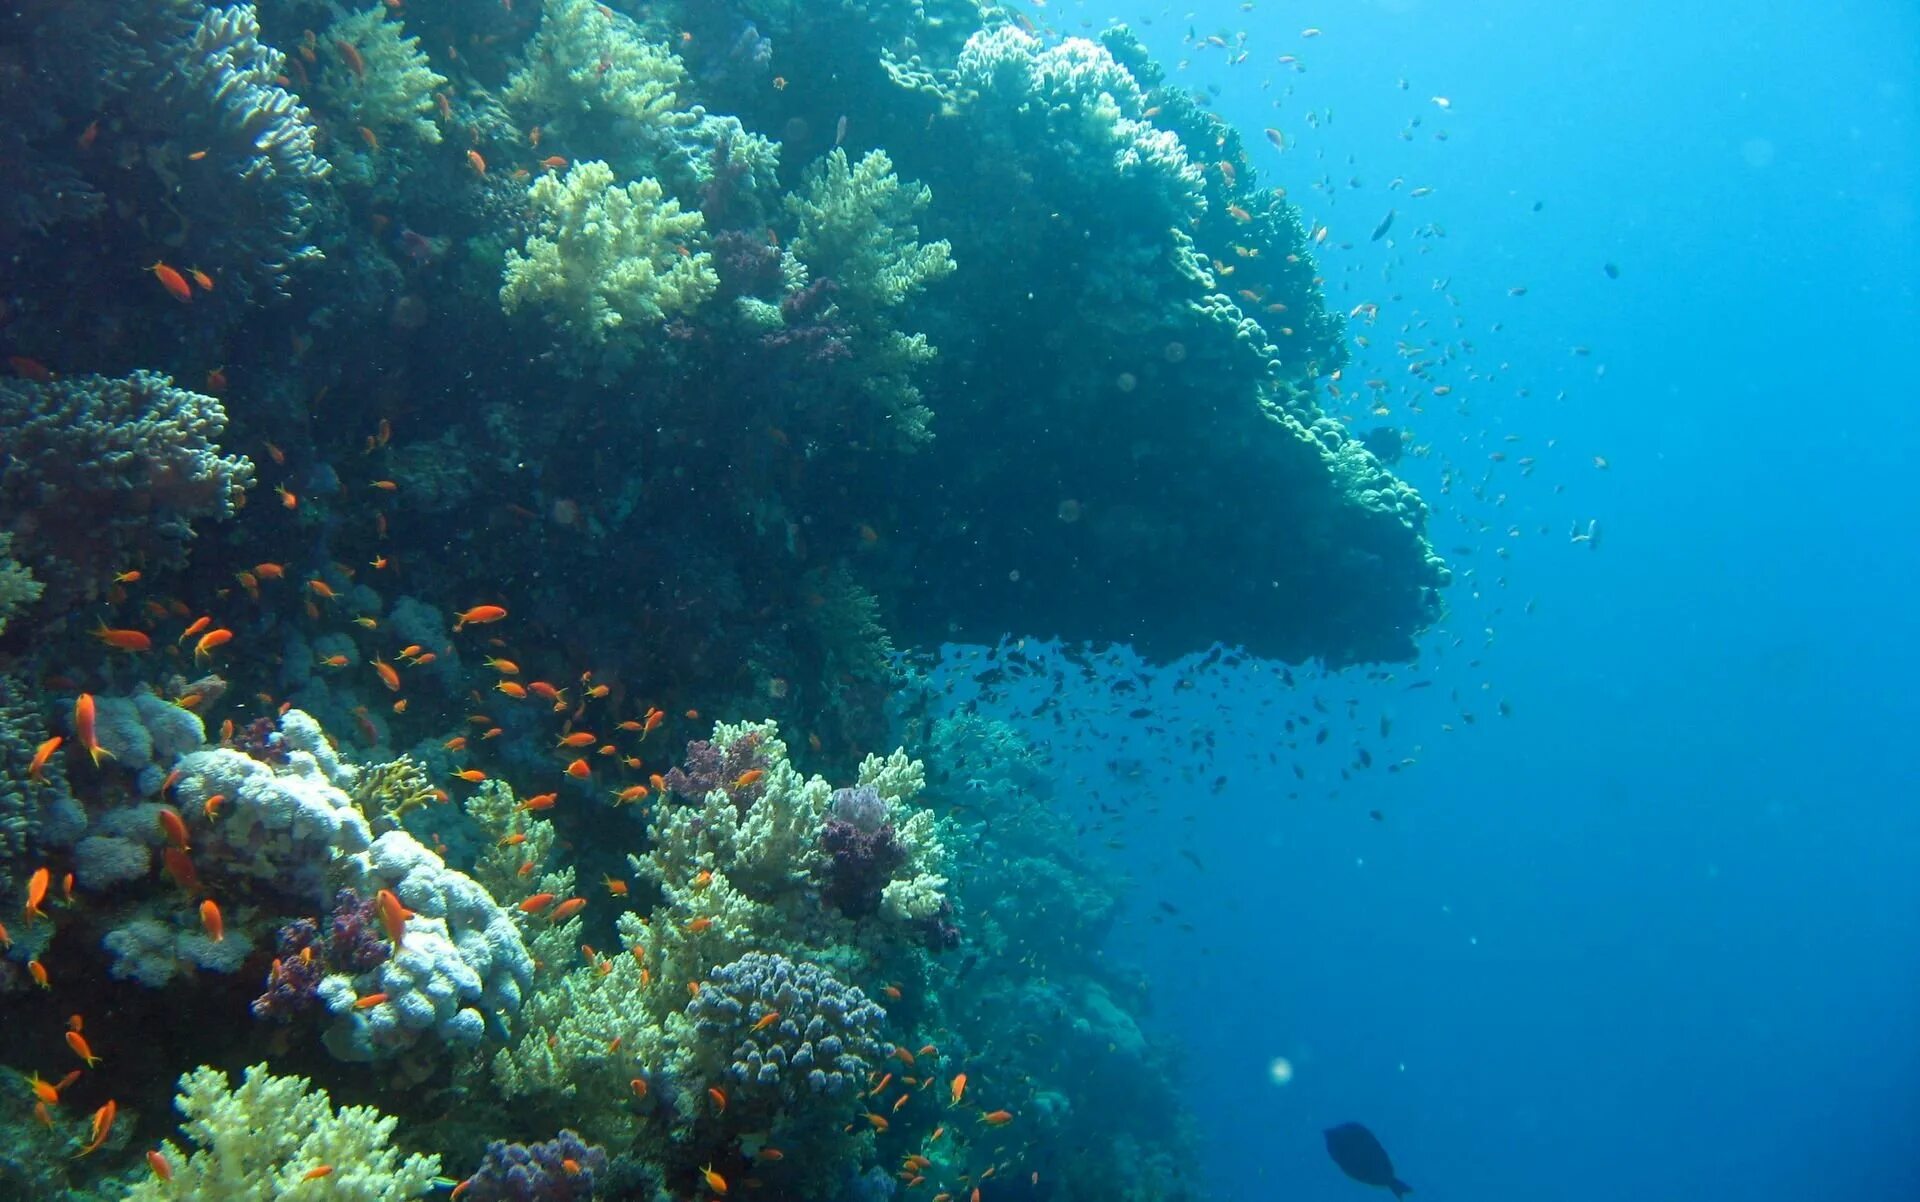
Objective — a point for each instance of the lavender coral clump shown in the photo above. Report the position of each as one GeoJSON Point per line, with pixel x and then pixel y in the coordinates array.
{"type": "Point", "coordinates": [863, 851]}
{"type": "Point", "coordinates": [824, 1041]}
{"type": "Point", "coordinates": [708, 768]}
{"type": "Point", "coordinates": [537, 1172]}
{"type": "Point", "coordinates": [353, 944]}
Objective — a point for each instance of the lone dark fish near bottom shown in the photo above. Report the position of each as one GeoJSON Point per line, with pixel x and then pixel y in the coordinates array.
{"type": "Point", "coordinates": [1361, 1157]}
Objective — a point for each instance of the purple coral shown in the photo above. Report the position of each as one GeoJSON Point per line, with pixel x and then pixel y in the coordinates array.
{"type": "Point", "coordinates": [824, 1044]}
{"type": "Point", "coordinates": [812, 329]}
{"type": "Point", "coordinates": [709, 767]}
{"type": "Point", "coordinates": [559, 1170]}
{"type": "Point", "coordinates": [863, 851]}
{"type": "Point", "coordinates": [352, 945]}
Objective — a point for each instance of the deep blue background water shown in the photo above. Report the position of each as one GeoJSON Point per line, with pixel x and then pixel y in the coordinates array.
{"type": "Point", "coordinates": [1656, 935]}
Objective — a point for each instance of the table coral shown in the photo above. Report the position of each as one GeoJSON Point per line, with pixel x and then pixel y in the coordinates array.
{"type": "Point", "coordinates": [257, 1143]}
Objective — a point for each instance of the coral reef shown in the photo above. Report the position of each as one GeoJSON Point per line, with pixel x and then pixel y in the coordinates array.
{"type": "Point", "coordinates": [101, 473]}
{"type": "Point", "coordinates": [779, 1032]}
{"type": "Point", "coordinates": [387, 84]}
{"type": "Point", "coordinates": [18, 588]}
{"type": "Point", "coordinates": [264, 1140]}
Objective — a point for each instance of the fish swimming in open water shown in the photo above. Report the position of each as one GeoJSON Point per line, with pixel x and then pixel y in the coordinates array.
{"type": "Point", "coordinates": [1361, 1157]}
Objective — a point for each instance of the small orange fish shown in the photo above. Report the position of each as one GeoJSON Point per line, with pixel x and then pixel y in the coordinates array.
{"type": "Point", "coordinates": [174, 827]}
{"type": "Point", "coordinates": [479, 166]}
{"type": "Point", "coordinates": [180, 868]}
{"type": "Point", "coordinates": [201, 278]}
{"type": "Point", "coordinates": [997, 1118]}
{"type": "Point", "coordinates": [41, 755]}
{"type": "Point", "coordinates": [629, 795]}
{"type": "Point", "coordinates": [579, 770]}
{"type": "Point", "coordinates": [369, 1001]}
{"type": "Point", "coordinates": [639, 1087]}
{"type": "Point", "coordinates": [211, 806]}
{"type": "Point", "coordinates": [537, 903]}
{"type": "Point", "coordinates": [78, 1043]}
{"type": "Point", "coordinates": [698, 925]}
{"type": "Point", "coordinates": [320, 1170]}
{"type": "Point", "coordinates": [715, 1181]}
{"type": "Point", "coordinates": [209, 641]}
{"type": "Point", "coordinates": [769, 1152]}
{"type": "Point", "coordinates": [767, 1020]}
{"type": "Point", "coordinates": [350, 55]}
{"type": "Point", "coordinates": [131, 641]}
{"type": "Point", "coordinates": [175, 283]}
{"type": "Point", "coordinates": [719, 1097]}
{"type": "Point", "coordinates": [567, 909]}
{"type": "Point", "coordinates": [472, 776]}
{"type": "Point", "coordinates": [749, 778]}
{"type": "Point", "coordinates": [505, 667]}
{"type": "Point", "coordinates": [615, 886]}
{"type": "Point", "coordinates": [538, 802]}
{"type": "Point", "coordinates": [210, 918]}
{"type": "Point", "coordinates": [393, 915]}
{"type": "Point", "coordinates": [901, 1101]}
{"type": "Point", "coordinates": [37, 892]}
{"type": "Point", "coordinates": [102, 1124]}
{"type": "Point", "coordinates": [579, 738]}
{"type": "Point", "coordinates": [878, 1122]}
{"type": "Point", "coordinates": [516, 691]}
{"type": "Point", "coordinates": [83, 728]}
{"type": "Point", "coordinates": [158, 1163]}
{"type": "Point", "coordinates": [553, 162]}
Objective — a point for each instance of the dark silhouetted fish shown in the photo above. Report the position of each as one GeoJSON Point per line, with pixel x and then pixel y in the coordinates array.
{"type": "Point", "coordinates": [1380, 231]}
{"type": "Point", "coordinates": [1361, 1157]}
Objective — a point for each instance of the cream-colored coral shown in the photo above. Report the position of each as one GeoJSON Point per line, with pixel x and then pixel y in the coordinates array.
{"type": "Point", "coordinates": [607, 264]}
{"type": "Point", "coordinates": [388, 87]}
{"type": "Point", "coordinates": [18, 588]}
{"type": "Point", "coordinates": [587, 57]}
{"type": "Point", "coordinates": [857, 224]}
{"type": "Point", "coordinates": [257, 1143]}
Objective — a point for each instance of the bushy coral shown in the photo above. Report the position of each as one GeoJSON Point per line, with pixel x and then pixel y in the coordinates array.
{"type": "Point", "coordinates": [260, 1142]}
{"type": "Point", "coordinates": [154, 945]}
{"type": "Point", "coordinates": [26, 803]}
{"type": "Point", "coordinates": [857, 224]}
{"type": "Point", "coordinates": [352, 944]}
{"type": "Point", "coordinates": [607, 264]}
{"type": "Point", "coordinates": [387, 85]}
{"type": "Point", "coordinates": [101, 473]}
{"type": "Point", "coordinates": [18, 588]}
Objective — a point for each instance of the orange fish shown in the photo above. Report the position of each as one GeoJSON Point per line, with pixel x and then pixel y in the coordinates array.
{"type": "Point", "coordinates": [83, 728]}
{"type": "Point", "coordinates": [211, 806]}
{"type": "Point", "coordinates": [639, 1087]}
{"type": "Point", "coordinates": [537, 903]}
{"type": "Point", "coordinates": [393, 915]}
{"type": "Point", "coordinates": [159, 1165]}
{"type": "Point", "coordinates": [719, 1097]}
{"type": "Point", "coordinates": [369, 1001]}
{"type": "Point", "coordinates": [715, 1181]}
{"type": "Point", "coordinates": [553, 162]}
{"type": "Point", "coordinates": [567, 909]}
{"type": "Point", "coordinates": [201, 278]}
{"type": "Point", "coordinates": [174, 827]}
{"type": "Point", "coordinates": [41, 755]}
{"type": "Point", "coordinates": [629, 795]}
{"type": "Point", "coordinates": [505, 667]}
{"type": "Point", "coordinates": [615, 886]}
{"type": "Point", "coordinates": [699, 925]}
{"type": "Point", "coordinates": [320, 1170]}
{"type": "Point", "coordinates": [767, 1020]}
{"type": "Point", "coordinates": [210, 918]}
{"type": "Point", "coordinates": [749, 778]}
{"type": "Point", "coordinates": [579, 770]}
{"type": "Point", "coordinates": [350, 55]}
{"type": "Point", "coordinates": [901, 1101]}
{"type": "Point", "coordinates": [388, 676]}
{"type": "Point", "coordinates": [878, 1122]}
{"type": "Point", "coordinates": [122, 640]}
{"type": "Point", "coordinates": [175, 283]}
{"type": "Point", "coordinates": [288, 499]}
{"type": "Point", "coordinates": [78, 1043]}
{"type": "Point", "coordinates": [180, 868]}
{"type": "Point", "coordinates": [542, 801]}
{"type": "Point", "coordinates": [102, 1124]}
{"type": "Point", "coordinates": [38, 972]}
{"type": "Point", "coordinates": [198, 625]}
{"type": "Point", "coordinates": [511, 689]}
{"type": "Point", "coordinates": [37, 892]}
{"type": "Point", "coordinates": [210, 640]}
{"type": "Point", "coordinates": [472, 776]}
{"type": "Point", "coordinates": [997, 1118]}
{"type": "Point", "coordinates": [269, 571]}
{"type": "Point", "coordinates": [479, 166]}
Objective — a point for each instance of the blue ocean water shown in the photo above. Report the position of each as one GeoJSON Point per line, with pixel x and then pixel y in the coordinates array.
{"type": "Point", "coordinates": [1653, 935]}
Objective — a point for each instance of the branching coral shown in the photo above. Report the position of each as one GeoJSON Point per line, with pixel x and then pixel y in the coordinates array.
{"type": "Point", "coordinates": [607, 264]}
{"type": "Point", "coordinates": [18, 588]}
{"type": "Point", "coordinates": [100, 473]}
{"type": "Point", "coordinates": [858, 225]}
{"type": "Point", "coordinates": [262, 1142]}
{"type": "Point", "coordinates": [387, 85]}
